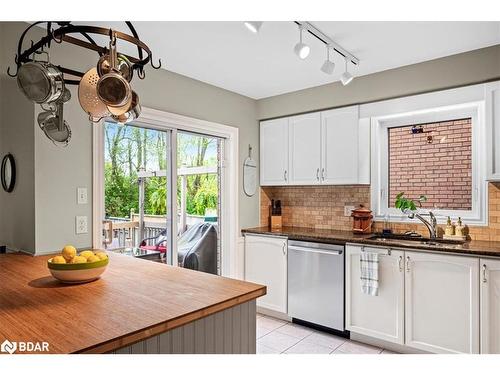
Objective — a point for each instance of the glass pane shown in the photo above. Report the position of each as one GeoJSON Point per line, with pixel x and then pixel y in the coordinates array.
{"type": "Point", "coordinates": [136, 174]}
{"type": "Point", "coordinates": [198, 200]}
{"type": "Point", "coordinates": [435, 160]}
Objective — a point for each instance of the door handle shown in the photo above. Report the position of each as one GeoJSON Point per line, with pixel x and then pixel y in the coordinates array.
{"type": "Point", "coordinates": [317, 174]}
{"type": "Point", "coordinates": [400, 263]}
{"type": "Point", "coordinates": [484, 273]}
{"type": "Point", "coordinates": [284, 248]}
{"type": "Point", "coordinates": [323, 174]}
{"type": "Point", "coordinates": [314, 251]}
{"type": "Point", "coordinates": [407, 264]}
{"type": "Point", "coordinates": [285, 175]}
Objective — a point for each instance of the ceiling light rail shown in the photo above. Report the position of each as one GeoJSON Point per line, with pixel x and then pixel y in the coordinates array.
{"type": "Point", "coordinates": [329, 42]}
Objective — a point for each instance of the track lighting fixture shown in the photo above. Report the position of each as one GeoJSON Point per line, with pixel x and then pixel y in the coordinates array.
{"type": "Point", "coordinates": [346, 77]}
{"type": "Point", "coordinates": [253, 26]}
{"type": "Point", "coordinates": [301, 49]}
{"type": "Point", "coordinates": [328, 66]}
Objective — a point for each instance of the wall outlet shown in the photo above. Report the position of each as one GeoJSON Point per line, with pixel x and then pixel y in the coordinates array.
{"type": "Point", "coordinates": [348, 210]}
{"type": "Point", "coordinates": [81, 225]}
{"type": "Point", "coordinates": [82, 195]}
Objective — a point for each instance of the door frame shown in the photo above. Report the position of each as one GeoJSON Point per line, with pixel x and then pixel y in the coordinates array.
{"type": "Point", "coordinates": [162, 120]}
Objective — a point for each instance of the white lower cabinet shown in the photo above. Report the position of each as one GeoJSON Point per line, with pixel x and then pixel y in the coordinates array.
{"type": "Point", "coordinates": [442, 303]}
{"type": "Point", "coordinates": [266, 263]}
{"type": "Point", "coordinates": [380, 316]}
{"type": "Point", "coordinates": [490, 306]}
{"type": "Point", "coordinates": [426, 301]}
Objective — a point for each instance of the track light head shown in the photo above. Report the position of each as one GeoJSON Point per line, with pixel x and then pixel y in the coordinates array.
{"type": "Point", "coordinates": [301, 49]}
{"type": "Point", "coordinates": [346, 77]}
{"type": "Point", "coordinates": [328, 66]}
{"type": "Point", "coordinates": [253, 26]}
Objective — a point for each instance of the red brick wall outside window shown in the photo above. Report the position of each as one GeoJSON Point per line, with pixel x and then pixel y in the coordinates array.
{"type": "Point", "coordinates": [441, 170]}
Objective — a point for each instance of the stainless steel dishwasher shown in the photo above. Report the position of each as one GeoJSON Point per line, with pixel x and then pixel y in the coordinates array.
{"type": "Point", "coordinates": [316, 283]}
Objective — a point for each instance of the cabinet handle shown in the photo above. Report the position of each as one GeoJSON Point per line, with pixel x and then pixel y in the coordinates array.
{"type": "Point", "coordinates": [285, 175]}
{"type": "Point", "coordinates": [317, 174]}
{"type": "Point", "coordinates": [407, 264]}
{"type": "Point", "coordinates": [484, 273]}
{"type": "Point", "coordinates": [323, 174]}
{"type": "Point", "coordinates": [400, 263]}
{"type": "Point", "coordinates": [284, 248]}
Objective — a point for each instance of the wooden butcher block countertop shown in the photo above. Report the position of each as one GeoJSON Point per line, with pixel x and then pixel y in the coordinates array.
{"type": "Point", "coordinates": [133, 300]}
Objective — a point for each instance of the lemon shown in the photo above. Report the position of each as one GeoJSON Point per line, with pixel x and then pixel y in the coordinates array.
{"type": "Point", "coordinates": [79, 259]}
{"type": "Point", "coordinates": [68, 252]}
{"type": "Point", "coordinates": [58, 259]}
{"type": "Point", "coordinates": [86, 254]}
{"type": "Point", "coordinates": [101, 255]}
{"type": "Point", "coordinates": [93, 258]}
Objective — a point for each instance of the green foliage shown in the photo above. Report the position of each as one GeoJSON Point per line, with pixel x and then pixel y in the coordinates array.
{"type": "Point", "coordinates": [157, 188]}
{"type": "Point", "coordinates": [407, 204]}
{"type": "Point", "coordinates": [128, 148]}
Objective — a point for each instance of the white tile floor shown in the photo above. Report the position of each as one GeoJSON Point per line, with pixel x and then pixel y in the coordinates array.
{"type": "Point", "coordinates": [276, 336]}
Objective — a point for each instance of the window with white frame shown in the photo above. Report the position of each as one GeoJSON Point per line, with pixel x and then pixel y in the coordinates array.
{"type": "Point", "coordinates": [434, 152]}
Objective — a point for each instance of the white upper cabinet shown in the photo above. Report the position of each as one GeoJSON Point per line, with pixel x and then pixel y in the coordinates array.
{"type": "Point", "coordinates": [380, 316]}
{"type": "Point", "coordinates": [490, 306]}
{"type": "Point", "coordinates": [330, 147]}
{"type": "Point", "coordinates": [274, 152]}
{"type": "Point", "coordinates": [442, 303]}
{"type": "Point", "coordinates": [340, 145]}
{"type": "Point", "coordinates": [304, 149]}
{"type": "Point", "coordinates": [492, 108]}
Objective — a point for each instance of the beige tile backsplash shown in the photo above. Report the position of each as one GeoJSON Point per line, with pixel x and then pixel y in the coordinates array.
{"type": "Point", "coordinates": [322, 207]}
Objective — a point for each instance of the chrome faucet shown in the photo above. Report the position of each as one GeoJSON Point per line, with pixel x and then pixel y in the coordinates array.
{"type": "Point", "coordinates": [430, 224]}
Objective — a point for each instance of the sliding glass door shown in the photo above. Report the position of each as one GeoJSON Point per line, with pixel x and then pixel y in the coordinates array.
{"type": "Point", "coordinates": [155, 211]}
{"type": "Point", "coordinates": [199, 172]}
{"type": "Point", "coordinates": [137, 191]}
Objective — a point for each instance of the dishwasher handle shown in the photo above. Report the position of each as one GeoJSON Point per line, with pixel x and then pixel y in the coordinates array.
{"type": "Point", "coordinates": [315, 251]}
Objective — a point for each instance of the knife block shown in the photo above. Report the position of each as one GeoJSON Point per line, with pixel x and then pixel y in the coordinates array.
{"type": "Point", "coordinates": [275, 221]}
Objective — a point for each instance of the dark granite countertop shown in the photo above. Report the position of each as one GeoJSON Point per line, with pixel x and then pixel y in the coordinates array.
{"type": "Point", "coordinates": [478, 248]}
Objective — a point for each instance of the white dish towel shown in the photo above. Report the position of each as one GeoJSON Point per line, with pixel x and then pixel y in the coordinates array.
{"type": "Point", "coordinates": [369, 273]}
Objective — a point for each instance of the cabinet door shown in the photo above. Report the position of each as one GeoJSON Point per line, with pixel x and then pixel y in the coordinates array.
{"type": "Point", "coordinates": [340, 142]}
{"type": "Point", "coordinates": [266, 263]}
{"type": "Point", "coordinates": [305, 149]}
{"type": "Point", "coordinates": [490, 306]}
{"type": "Point", "coordinates": [442, 303]}
{"type": "Point", "coordinates": [379, 316]}
{"type": "Point", "coordinates": [274, 152]}
{"type": "Point", "coordinates": [492, 119]}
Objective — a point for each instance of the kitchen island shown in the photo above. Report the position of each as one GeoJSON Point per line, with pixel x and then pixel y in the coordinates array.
{"type": "Point", "coordinates": [137, 306]}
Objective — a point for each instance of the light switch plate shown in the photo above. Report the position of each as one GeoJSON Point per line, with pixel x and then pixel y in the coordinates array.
{"type": "Point", "coordinates": [82, 195]}
{"type": "Point", "coordinates": [348, 210]}
{"type": "Point", "coordinates": [81, 225]}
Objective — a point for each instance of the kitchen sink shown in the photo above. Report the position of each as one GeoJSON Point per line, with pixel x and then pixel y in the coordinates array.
{"type": "Point", "coordinates": [414, 239]}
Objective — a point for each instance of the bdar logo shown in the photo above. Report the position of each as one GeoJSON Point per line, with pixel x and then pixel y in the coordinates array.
{"type": "Point", "coordinates": [8, 347]}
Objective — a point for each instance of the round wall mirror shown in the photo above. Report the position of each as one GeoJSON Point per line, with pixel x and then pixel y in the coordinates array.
{"type": "Point", "coordinates": [8, 173]}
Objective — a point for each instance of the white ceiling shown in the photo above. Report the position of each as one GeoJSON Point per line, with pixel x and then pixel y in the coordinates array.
{"type": "Point", "coordinates": [227, 55]}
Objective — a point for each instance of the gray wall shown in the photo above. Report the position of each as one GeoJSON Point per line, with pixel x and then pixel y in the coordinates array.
{"type": "Point", "coordinates": [466, 68]}
{"type": "Point", "coordinates": [58, 172]}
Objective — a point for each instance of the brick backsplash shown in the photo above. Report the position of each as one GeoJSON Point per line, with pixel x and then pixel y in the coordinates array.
{"type": "Point", "coordinates": [322, 207]}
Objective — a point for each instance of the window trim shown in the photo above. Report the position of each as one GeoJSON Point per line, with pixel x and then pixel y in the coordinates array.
{"type": "Point", "coordinates": [380, 165]}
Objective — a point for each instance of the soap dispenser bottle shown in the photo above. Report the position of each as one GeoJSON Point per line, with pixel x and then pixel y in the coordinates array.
{"type": "Point", "coordinates": [450, 229]}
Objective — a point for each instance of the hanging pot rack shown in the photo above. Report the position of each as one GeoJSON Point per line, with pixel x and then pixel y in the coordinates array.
{"type": "Point", "coordinates": [62, 34]}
